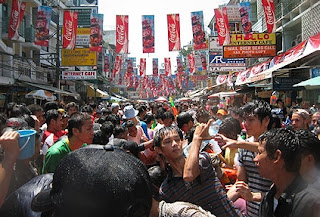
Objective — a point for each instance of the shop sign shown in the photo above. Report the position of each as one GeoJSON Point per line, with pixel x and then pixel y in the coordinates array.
{"type": "Point", "coordinates": [249, 51]}
{"type": "Point", "coordinates": [253, 39]}
{"type": "Point", "coordinates": [83, 36]}
{"type": "Point", "coordinates": [79, 75]}
{"type": "Point", "coordinates": [78, 57]}
{"type": "Point", "coordinates": [315, 72]}
{"type": "Point", "coordinates": [214, 44]}
{"type": "Point", "coordinates": [286, 84]}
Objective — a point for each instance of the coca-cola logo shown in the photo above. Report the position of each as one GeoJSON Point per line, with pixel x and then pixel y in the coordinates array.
{"type": "Point", "coordinates": [15, 17]}
{"type": "Point", "coordinates": [146, 32]}
{"type": "Point", "coordinates": [269, 15]}
{"type": "Point", "coordinates": [222, 29]}
{"type": "Point", "coordinates": [68, 29]}
{"type": "Point", "coordinates": [172, 32]}
{"type": "Point", "coordinates": [121, 34]}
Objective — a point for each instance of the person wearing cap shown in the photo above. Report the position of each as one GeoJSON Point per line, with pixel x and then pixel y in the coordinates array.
{"type": "Point", "coordinates": [80, 133]}
{"type": "Point", "coordinates": [221, 113]}
{"type": "Point", "coordinates": [95, 181]}
{"type": "Point", "coordinates": [115, 108]}
{"type": "Point", "coordinates": [300, 119]}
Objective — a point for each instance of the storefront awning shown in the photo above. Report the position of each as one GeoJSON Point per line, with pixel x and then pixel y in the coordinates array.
{"type": "Point", "coordinates": [313, 83]}
{"type": "Point", "coordinates": [53, 89]}
{"type": "Point", "coordinates": [224, 94]}
{"type": "Point", "coordinates": [95, 92]}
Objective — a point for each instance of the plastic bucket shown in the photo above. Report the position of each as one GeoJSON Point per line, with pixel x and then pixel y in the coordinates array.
{"type": "Point", "coordinates": [26, 143]}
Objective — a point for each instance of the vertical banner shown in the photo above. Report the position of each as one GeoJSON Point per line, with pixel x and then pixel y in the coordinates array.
{"type": "Point", "coordinates": [174, 32]}
{"type": "Point", "coordinates": [16, 16]}
{"type": "Point", "coordinates": [143, 67]}
{"type": "Point", "coordinates": [167, 66]}
{"type": "Point", "coordinates": [192, 63]}
{"type": "Point", "coordinates": [179, 66]}
{"type": "Point", "coordinates": [42, 26]}
{"type": "Point", "coordinates": [203, 61]}
{"type": "Point", "coordinates": [222, 26]}
{"type": "Point", "coordinates": [122, 34]}
{"type": "Point", "coordinates": [129, 67]}
{"type": "Point", "coordinates": [70, 25]}
{"type": "Point", "coordinates": [148, 33]}
{"type": "Point", "coordinates": [245, 14]}
{"type": "Point", "coordinates": [155, 66]}
{"type": "Point", "coordinates": [96, 25]}
{"type": "Point", "coordinates": [106, 67]}
{"type": "Point", "coordinates": [199, 36]}
{"type": "Point", "coordinates": [269, 12]}
{"type": "Point", "coordinates": [117, 66]}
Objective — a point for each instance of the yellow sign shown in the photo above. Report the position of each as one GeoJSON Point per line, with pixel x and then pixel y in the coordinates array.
{"type": "Point", "coordinates": [81, 31]}
{"type": "Point", "coordinates": [253, 39]}
{"type": "Point", "coordinates": [78, 57]}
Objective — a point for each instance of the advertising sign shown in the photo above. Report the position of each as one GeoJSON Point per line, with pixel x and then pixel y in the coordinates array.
{"type": "Point", "coordinates": [253, 39]}
{"type": "Point", "coordinates": [199, 39]}
{"type": "Point", "coordinates": [83, 36]}
{"type": "Point", "coordinates": [148, 33]}
{"type": "Point", "coordinates": [79, 75]}
{"type": "Point", "coordinates": [122, 37]}
{"type": "Point", "coordinates": [249, 51]}
{"type": "Point", "coordinates": [269, 12]}
{"type": "Point", "coordinates": [96, 33]}
{"type": "Point", "coordinates": [78, 57]}
{"type": "Point", "coordinates": [214, 44]}
{"type": "Point", "coordinates": [42, 26]}
{"type": "Point", "coordinates": [285, 84]}
{"type": "Point", "coordinates": [70, 23]}
{"type": "Point", "coordinates": [233, 13]}
{"type": "Point", "coordinates": [220, 64]}
{"type": "Point", "coordinates": [173, 32]}
{"type": "Point", "coordinates": [16, 16]}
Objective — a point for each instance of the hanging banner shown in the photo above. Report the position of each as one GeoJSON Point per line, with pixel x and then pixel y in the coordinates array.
{"type": "Point", "coordinates": [155, 66]}
{"type": "Point", "coordinates": [143, 67]}
{"type": "Point", "coordinates": [203, 56]}
{"type": "Point", "coordinates": [16, 16]}
{"type": "Point", "coordinates": [129, 67]}
{"type": "Point", "coordinates": [222, 26]}
{"type": "Point", "coordinates": [96, 26]}
{"type": "Point", "coordinates": [221, 79]}
{"type": "Point", "coordinates": [43, 25]}
{"type": "Point", "coordinates": [167, 66]}
{"type": "Point", "coordinates": [269, 12]}
{"type": "Point", "coordinates": [179, 66]}
{"type": "Point", "coordinates": [106, 67]}
{"type": "Point", "coordinates": [192, 63]}
{"type": "Point", "coordinates": [122, 34]}
{"type": "Point", "coordinates": [245, 14]}
{"type": "Point", "coordinates": [199, 37]}
{"type": "Point", "coordinates": [117, 66]}
{"type": "Point", "coordinates": [148, 33]}
{"type": "Point", "coordinates": [174, 32]}
{"type": "Point", "coordinates": [70, 25]}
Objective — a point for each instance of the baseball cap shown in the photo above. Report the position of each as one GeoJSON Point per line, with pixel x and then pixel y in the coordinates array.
{"type": "Point", "coordinates": [98, 179]}
{"type": "Point", "coordinates": [221, 112]}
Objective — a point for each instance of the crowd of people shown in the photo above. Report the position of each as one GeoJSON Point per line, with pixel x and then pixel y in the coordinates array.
{"type": "Point", "coordinates": [152, 159]}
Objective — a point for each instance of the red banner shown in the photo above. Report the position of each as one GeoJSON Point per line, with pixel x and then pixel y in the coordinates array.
{"type": "Point", "coordinates": [199, 36]}
{"type": "Point", "coordinates": [269, 12]}
{"type": "Point", "coordinates": [192, 63]}
{"type": "Point", "coordinates": [179, 66]}
{"type": "Point", "coordinates": [117, 66]}
{"type": "Point", "coordinates": [96, 27]}
{"type": "Point", "coordinates": [167, 66]}
{"type": "Point", "coordinates": [43, 25]}
{"type": "Point", "coordinates": [106, 63]}
{"type": "Point", "coordinates": [245, 11]}
{"type": "Point", "coordinates": [129, 67]}
{"type": "Point", "coordinates": [122, 32]}
{"type": "Point", "coordinates": [148, 33]}
{"type": "Point", "coordinates": [17, 13]}
{"type": "Point", "coordinates": [143, 66]}
{"type": "Point", "coordinates": [222, 26]}
{"type": "Point", "coordinates": [174, 32]}
{"type": "Point", "coordinates": [155, 66]}
{"type": "Point", "coordinates": [70, 25]}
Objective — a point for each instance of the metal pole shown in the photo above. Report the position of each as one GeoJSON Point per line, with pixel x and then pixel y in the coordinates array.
{"type": "Point", "coordinates": [58, 52]}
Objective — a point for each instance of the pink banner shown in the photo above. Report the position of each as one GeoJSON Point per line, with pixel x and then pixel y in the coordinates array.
{"type": "Point", "coordinates": [148, 33]}
{"type": "Point", "coordinates": [174, 32]}
{"type": "Point", "coordinates": [17, 13]}
{"type": "Point", "coordinates": [155, 66]}
{"type": "Point", "coordinates": [269, 12]}
{"type": "Point", "coordinates": [167, 66]}
{"type": "Point", "coordinates": [222, 26]}
{"type": "Point", "coordinates": [192, 63]}
{"type": "Point", "coordinates": [42, 26]}
{"type": "Point", "coordinates": [143, 67]}
{"type": "Point", "coordinates": [96, 27]}
{"type": "Point", "coordinates": [245, 14]}
{"type": "Point", "coordinates": [199, 36]}
{"type": "Point", "coordinates": [122, 34]}
{"type": "Point", "coordinates": [179, 66]}
{"type": "Point", "coordinates": [70, 25]}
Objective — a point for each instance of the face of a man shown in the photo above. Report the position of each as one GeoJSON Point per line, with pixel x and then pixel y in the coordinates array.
{"type": "Point", "coordinates": [86, 132]}
{"type": "Point", "coordinates": [315, 119]}
{"type": "Point", "coordinates": [57, 123]}
{"type": "Point", "coordinates": [298, 122]}
{"type": "Point", "coordinates": [41, 118]}
{"type": "Point", "coordinates": [171, 146]}
{"type": "Point", "coordinates": [167, 122]}
{"type": "Point", "coordinates": [72, 110]}
{"type": "Point", "coordinates": [263, 162]}
{"type": "Point", "coordinates": [254, 126]}
{"type": "Point", "coordinates": [133, 131]}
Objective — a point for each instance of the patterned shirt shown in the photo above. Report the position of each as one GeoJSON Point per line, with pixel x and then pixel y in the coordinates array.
{"type": "Point", "coordinates": [205, 191]}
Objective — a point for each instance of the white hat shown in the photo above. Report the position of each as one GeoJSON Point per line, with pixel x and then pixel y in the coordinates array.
{"type": "Point", "coordinates": [114, 105]}
{"type": "Point", "coordinates": [129, 112]}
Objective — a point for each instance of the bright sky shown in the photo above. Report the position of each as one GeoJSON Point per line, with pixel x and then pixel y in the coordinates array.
{"type": "Point", "coordinates": [159, 8]}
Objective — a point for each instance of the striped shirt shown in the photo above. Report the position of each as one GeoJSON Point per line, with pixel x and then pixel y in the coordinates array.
{"type": "Point", "coordinates": [205, 191]}
{"type": "Point", "coordinates": [255, 181]}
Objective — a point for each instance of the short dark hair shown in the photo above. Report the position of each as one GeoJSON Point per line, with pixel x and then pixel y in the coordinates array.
{"type": "Point", "coordinates": [148, 118]}
{"type": "Point", "coordinates": [34, 108]}
{"type": "Point", "coordinates": [115, 119]}
{"type": "Point", "coordinates": [167, 115]}
{"type": "Point", "coordinates": [52, 114]}
{"type": "Point", "coordinates": [283, 139]}
{"type": "Point", "coordinates": [258, 107]}
{"type": "Point", "coordinates": [76, 121]}
{"type": "Point", "coordinates": [157, 139]}
{"type": "Point", "coordinates": [184, 118]}
{"type": "Point", "coordinates": [50, 105]}
{"type": "Point", "coordinates": [129, 123]}
{"type": "Point", "coordinates": [141, 109]}
{"type": "Point", "coordinates": [72, 104]}
{"type": "Point", "coordinates": [230, 127]}
{"type": "Point", "coordinates": [107, 127]}
{"type": "Point", "coordinates": [118, 130]}
{"type": "Point", "coordinates": [203, 114]}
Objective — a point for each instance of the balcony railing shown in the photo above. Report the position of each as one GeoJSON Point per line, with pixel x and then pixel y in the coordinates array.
{"type": "Point", "coordinates": [30, 34]}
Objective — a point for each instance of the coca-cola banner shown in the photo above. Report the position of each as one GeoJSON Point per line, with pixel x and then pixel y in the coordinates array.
{"type": "Point", "coordinates": [167, 66]}
{"type": "Point", "coordinates": [16, 16]}
{"type": "Point", "coordinates": [106, 67]}
{"type": "Point", "coordinates": [174, 32]}
{"type": "Point", "coordinates": [269, 12]}
{"type": "Point", "coordinates": [96, 29]}
{"type": "Point", "coordinates": [148, 33]}
{"type": "Point", "coordinates": [245, 14]}
{"type": "Point", "coordinates": [143, 67]}
{"type": "Point", "coordinates": [199, 36]}
{"type": "Point", "coordinates": [70, 24]}
{"type": "Point", "coordinates": [179, 66]}
{"type": "Point", "coordinates": [122, 35]}
{"type": "Point", "coordinates": [192, 63]}
{"type": "Point", "coordinates": [117, 66]}
{"type": "Point", "coordinates": [221, 79]}
{"type": "Point", "coordinates": [155, 66]}
{"type": "Point", "coordinates": [42, 26]}
{"type": "Point", "coordinates": [222, 26]}
{"type": "Point", "coordinates": [129, 67]}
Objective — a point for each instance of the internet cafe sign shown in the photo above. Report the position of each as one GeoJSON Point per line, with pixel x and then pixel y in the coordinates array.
{"type": "Point", "coordinates": [79, 75]}
{"type": "Point", "coordinates": [253, 39]}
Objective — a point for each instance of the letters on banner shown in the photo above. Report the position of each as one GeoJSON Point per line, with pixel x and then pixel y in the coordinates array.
{"type": "Point", "coordinates": [122, 37]}
{"type": "Point", "coordinates": [192, 63]}
{"type": "Point", "coordinates": [167, 66]}
{"type": "Point", "coordinates": [174, 32]}
{"type": "Point", "coordinates": [222, 26]}
{"type": "Point", "coordinates": [269, 12]}
{"type": "Point", "coordinates": [42, 26]}
{"type": "Point", "coordinates": [70, 25]}
{"type": "Point", "coordinates": [16, 16]}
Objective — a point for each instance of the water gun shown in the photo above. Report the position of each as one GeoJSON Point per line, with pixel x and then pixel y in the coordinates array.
{"type": "Point", "coordinates": [174, 109]}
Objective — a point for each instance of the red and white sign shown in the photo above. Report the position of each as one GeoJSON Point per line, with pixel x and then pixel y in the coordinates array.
{"type": "Point", "coordinates": [192, 63]}
{"type": "Point", "coordinates": [70, 25]}
{"type": "Point", "coordinates": [143, 66]}
{"type": "Point", "coordinates": [122, 37]}
{"type": "Point", "coordinates": [79, 75]}
{"type": "Point", "coordinates": [221, 79]}
{"type": "Point", "coordinates": [17, 13]}
{"type": "Point", "coordinates": [222, 25]}
{"type": "Point", "coordinates": [117, 66]}
{"type": "Point", "coordinates": [174, 32]}
{"type": "Point", "coordinates": [249, 51]}
{"type": "Point", "coordinates": [167, 66]}
{"type": "Point", "coordinates": [269, 12]}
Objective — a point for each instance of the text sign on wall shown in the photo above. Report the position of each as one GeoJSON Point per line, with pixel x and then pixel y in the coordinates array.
{"type": "Point", "coordinates": [249, 51]}
{"type": "Point", "coordinates": [253, 39]}
{"type": "Point", "coordinates": [78, 57]}
{"type": "Point", "coordinates": [79, 75]}
{"type": "Point", "coordinates": [83, 36]}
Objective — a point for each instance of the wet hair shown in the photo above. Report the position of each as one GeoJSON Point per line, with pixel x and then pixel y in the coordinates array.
{"type": "Point", "coordinates": [50, 105]}
{"type": "Point", "coordinates": [203, 114]}
{"type": "Point", "coordinates": [129, 123]}
{"type": "Point", "coordinates": [107, 127]}
{"type": "Point", "coordinates": [141, 109]}
{"type": "Point", "coordinates": [115, 119]}
{"type": "Point", "coordinates": [302, 113]}
{"type": "Point", "coordinates": [34, 108]}
{"type": "Point", "coordinates": [157, 176]}
{"type": "Point", "coordinates": [19, 110]}
{"type": "Point", "coordinates": [157, 139]}
{"type": "Point", "coordinates": [72, 104]}
{"type": "Point", "coordinates": [148, 118]}
{"type": "Point", "coordinates": [275, 120]}
{"type": "Point", "coordinates": [118, 130]}
{"type": "Point", "coordinates": [52, 114]}
{"type": "Point", "coordinates": [184, 118]}
{"type": "Point", "coordinates": [258, 107]}
{"type": "Point", "coordinates": [285, 140]}
{"type": "Point", "coordinates": [76, 121]}
{"type": "Point", "coordinates": [310, 144]}
{"type": "Point", "coordinates": [167, 115]}
{"type": "Point", "coordinates": [230, 127]}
